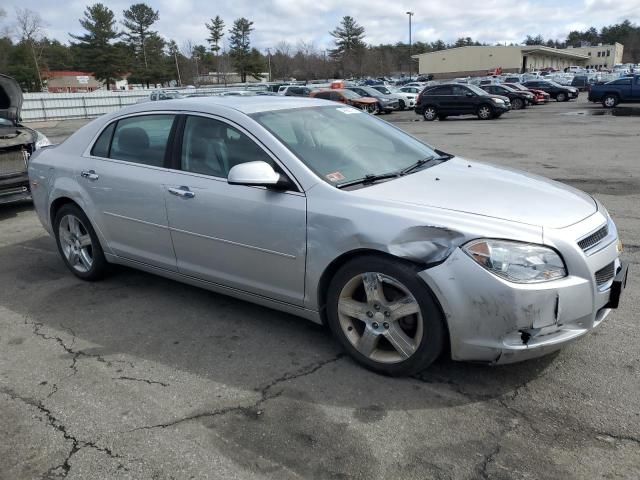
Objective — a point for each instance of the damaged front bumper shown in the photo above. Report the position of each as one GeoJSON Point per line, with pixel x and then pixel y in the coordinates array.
{"type": "Point", "coordinates": [14, 188]}
{"type": "Point", "coordinates": [493, 320]}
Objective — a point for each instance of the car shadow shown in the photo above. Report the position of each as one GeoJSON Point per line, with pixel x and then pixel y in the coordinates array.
{"type": "Point", "coordinates": [12, 210]}
{"type": "Point", "coordinates": [235, 343]}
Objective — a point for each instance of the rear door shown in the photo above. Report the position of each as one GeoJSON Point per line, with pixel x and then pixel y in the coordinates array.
{"type": "Point", "coordinates": [248, 238]}
{"type": "Point", "coordinates": [124, 178]}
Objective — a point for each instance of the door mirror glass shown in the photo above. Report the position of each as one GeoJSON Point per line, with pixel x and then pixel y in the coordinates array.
{"type": "Point", "coordinates": [469, 94]}
{"type": "Point", "coordinates": [256, 174]}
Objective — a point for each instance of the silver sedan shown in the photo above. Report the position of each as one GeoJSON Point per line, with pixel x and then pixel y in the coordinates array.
{"type": "Point", "coordinates": [326, 212]}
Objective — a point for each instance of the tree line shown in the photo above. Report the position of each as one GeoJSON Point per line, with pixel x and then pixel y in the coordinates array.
{"type": "Point", "coordinates": [112, 47]}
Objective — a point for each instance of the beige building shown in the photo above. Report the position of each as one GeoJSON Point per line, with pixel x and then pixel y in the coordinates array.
{"type": "Point", "coordinates": [601, 56]}
{"type": "Point", "coordinates": [477, 61]}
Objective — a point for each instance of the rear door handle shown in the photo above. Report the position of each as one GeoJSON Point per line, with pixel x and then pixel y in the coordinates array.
{"type": "Point", "coordinates": [90, 174]}
{"type": "Point", "coordinates": [183, 192]}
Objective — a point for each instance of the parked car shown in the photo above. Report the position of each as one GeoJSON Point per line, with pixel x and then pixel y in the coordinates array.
{"type": "Point", "coordinates": [415, 90]}
{"type": "Point", "coordinates": [157, 95]}
{"type": "Point", "coordinates": [328, 213]}
{"type": "Point", "coordinates": [539, 96]}
{"type": "Point", "coordinates": [17, 143]}
{"type": "Point", "coordinates": [622, 90]}
{"type": "Point", "coordinates": [386, 104]}
{"type": "Point", "coordinates": [519, 99]}
{"type": "Point", "coordinates": [368, 104]}
{"type": "Point", "coordinates": [558, 92]}
{"type": "Point", "coordinates": [452, 99]}
{"type": "Point", "coordinates": [294, 91]}
{"type": "Point", "coordinates": [405, 99]}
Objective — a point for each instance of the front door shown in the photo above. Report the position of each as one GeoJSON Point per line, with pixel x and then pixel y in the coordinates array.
{"type": "Point", "coordinates": [248, 238]}
{"type": "Point", "coordinates": [125, 179]}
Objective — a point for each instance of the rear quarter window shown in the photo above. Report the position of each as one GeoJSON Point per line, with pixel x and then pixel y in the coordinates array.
{"type": "Point", "coordinates": [101, 147]}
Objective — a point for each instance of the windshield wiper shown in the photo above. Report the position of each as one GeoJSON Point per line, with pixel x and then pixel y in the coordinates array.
{"type": "Point", "coordinates": [368, 179]}
{"type": "Point", "coordinates": [423, 161]}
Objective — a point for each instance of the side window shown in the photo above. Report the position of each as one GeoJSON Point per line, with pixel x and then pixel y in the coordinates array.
{"type": "Point", "coordinates": [212, 147]}
{"type": "Point", "coordinates": [142, 139]}
{"type": "Point", "coordinates": [336, 97]}
{"type": "Point", "coordinates": [101, 147]}
{"type": "Point", "coordinates": [322, 95]}
{"type": "Point", "coordinates": [460, 91]}
{"type": "Point", "coordinates": [444, 90]}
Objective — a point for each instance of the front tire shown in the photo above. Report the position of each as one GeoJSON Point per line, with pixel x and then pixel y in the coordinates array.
{"type": "Point", "coordinates": [517, 104]}
{"type": "Point", "coordinates": [401, 105]}
{"type": "Point", "coordinates": [485, 112]}
{"type": "Point", "coordinates": [385, 316]}
{"type": "Point", "coordinates": [78, 243]}
{"type": "Point", "coordinates": [610, 101]}
{"type": "Point", "coordinates": [561, 97]}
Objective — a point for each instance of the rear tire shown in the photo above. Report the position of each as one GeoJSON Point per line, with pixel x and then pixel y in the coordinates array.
{"type": "Point", "coordinates": [78, 243]}
{"type": "Point", "coordinates": [430, 113]}
{"type": "Point", "coordinates": [384, 316]}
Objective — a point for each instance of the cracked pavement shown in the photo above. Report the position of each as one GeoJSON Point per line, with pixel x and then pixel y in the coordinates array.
{"type": "Point", "coordinates": [141, 377]}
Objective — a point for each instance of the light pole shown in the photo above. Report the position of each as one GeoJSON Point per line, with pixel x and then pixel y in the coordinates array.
{"type": "Point", "coordinates": [410, 59]}
{"type": "Point", "coordinates": [269, 56]}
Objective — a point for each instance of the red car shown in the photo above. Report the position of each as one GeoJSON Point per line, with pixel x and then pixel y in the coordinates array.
{"type": "Point", "coordinates": [540, 96]}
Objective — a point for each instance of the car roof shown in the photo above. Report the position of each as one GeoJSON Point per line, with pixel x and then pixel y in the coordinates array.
{"type": "Point", "coordinates": [243, 104]}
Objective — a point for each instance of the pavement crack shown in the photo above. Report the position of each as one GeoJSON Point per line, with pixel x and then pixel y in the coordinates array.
{"type": "Point", "coordinates": [489, 459]}
{"type": "Point", "coordinates": [133, 379]}
{"type": "Point", "coordinates": [62, 469]}
{"type": "Point", "coordinates": [265, 395]}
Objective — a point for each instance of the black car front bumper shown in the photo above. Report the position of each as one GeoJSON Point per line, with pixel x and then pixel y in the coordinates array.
{"type": "Point", "coordinates": [14, 188]}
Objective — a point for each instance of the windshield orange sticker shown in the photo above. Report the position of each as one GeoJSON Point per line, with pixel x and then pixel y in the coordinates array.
{"type": "Point", "coordinates": [334, 177]}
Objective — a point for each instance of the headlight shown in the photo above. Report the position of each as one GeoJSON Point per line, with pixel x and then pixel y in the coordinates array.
{"type": "Point", "coordinates": [385, 99]}
{"type": "Point", "coordinates": [41, 141]}
{"type": "Point", "coordinates": [498, 100]}
{"type": "Point", "coordinates": [517, 262]}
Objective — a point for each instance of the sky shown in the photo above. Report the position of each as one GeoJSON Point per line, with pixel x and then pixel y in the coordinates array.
{"type": "Point", "coordinates": [385, 21]}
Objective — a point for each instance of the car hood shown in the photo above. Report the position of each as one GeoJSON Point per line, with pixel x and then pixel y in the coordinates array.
{"type": "Point", "coordinates": [10, 98]}
{"type": "Point", "coordinates": [490, 191]}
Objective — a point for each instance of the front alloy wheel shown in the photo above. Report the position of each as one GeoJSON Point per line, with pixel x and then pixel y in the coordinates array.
{"type": "Point", "coordinates": [485, 112]}
{"type": "Point", "coordinates": [385, 316]}
{"type": "Point", "coordinates": [610, 101]}
{"type": "Point", "coordinates": [561, 97]}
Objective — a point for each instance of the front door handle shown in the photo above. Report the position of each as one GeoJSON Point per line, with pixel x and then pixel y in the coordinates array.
{"type": "Point", "coordinates": [183, 192]}
{"type": "Point", "coordinates": [90, 174]}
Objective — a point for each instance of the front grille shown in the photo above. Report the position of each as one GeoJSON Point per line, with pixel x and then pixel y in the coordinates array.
{"type": "Point", "coordinates": [591, 240]}
{"type": "Point", "coordinates": [605, 274]}
{"type": "Point", "coordinates": [13, 162]}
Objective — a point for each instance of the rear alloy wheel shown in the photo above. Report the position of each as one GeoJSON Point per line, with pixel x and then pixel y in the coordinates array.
{"type": "Point", "coordinates": [430, 114]}
{"type": "Point", "coordinates": [609, 101]}
{"type": "Point", "coordinates": [485, 112]}
{"type": "Point", "coordinates": [517, 104]}
{"type": "Point", "coordinates": [384, 316]}
{"type": "Point", "coordinates": [561, 97]}
{"type": "Point", "coordinates": [78, 243]}
{"type": "Point", "coordinates": [401, 104]}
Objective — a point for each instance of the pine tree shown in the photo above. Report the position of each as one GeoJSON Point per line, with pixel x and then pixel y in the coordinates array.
{"type": "Point", "coordinates": [349, 44]}
{"type": "Point", "coordinates": [245, 59]}
{"type": "Point", "coordinates": [98, 53]}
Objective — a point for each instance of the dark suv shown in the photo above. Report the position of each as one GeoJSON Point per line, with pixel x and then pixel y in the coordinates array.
{"type": "Point", "coordinates": [557, 91]}
{"type": "Point", "coordinates": [519, 99]}
{"type": "Point", "coordinates": [451, 99]}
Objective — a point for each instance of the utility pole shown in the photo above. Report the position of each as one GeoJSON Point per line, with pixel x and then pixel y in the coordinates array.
{"type": "Point", "coordinates": [269, 57]}
{"type": "Point", "coordinates": [410, 58]}
{"type": "Point", "coordinates": [175, 56]}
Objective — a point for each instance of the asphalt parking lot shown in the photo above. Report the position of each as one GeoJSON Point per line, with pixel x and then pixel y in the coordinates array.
{"type": "Point", "coordinates": [141, 377]}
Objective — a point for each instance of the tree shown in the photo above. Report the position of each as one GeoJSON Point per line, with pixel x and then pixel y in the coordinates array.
{"type": "Point", "coordinates": [216, 32]}
{"type": "Point", "coordinates": [246, 61]}
{"type": "Point", "coordinates": [349, 44]}
{"type": "Point", "coordinates": [537, 40]}
{"type": "Point", "coordinates": [138, 19]}
{"type": "Point", "coordinates": [30, 26]}
{"type": "Point", "coordinates": [96, 48]}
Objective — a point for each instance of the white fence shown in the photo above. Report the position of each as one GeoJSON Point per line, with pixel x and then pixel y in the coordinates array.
{"type": "Point", "coordinates": [63, 106]}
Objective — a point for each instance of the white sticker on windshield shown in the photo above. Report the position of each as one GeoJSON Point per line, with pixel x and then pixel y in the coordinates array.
{"type": "Point", "coordinates": [347, 110]}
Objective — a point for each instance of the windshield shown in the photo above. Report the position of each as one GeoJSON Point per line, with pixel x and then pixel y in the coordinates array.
{"type": "Point", "coordinates": [517, 86]}
{"type": "Point", "coordinates": [372, 92]}
{"type": "Point", "coordinates": [341, 144]}
{"type": "Point", "coordinates": [476, 90]}
{"type": "Point", "coordinates": [555, 84]}
{"type": "Point", "coordinates": [384, 90]}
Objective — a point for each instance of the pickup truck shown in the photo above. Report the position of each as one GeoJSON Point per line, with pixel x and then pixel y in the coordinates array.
{"type": "Point", "coordinates": [622, 90]}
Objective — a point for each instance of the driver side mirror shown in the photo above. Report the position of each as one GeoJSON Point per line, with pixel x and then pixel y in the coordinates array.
{"type": "Point", "coordinates": [470, 94]}
{"type": "Point", "coordinates": [257, 174]}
